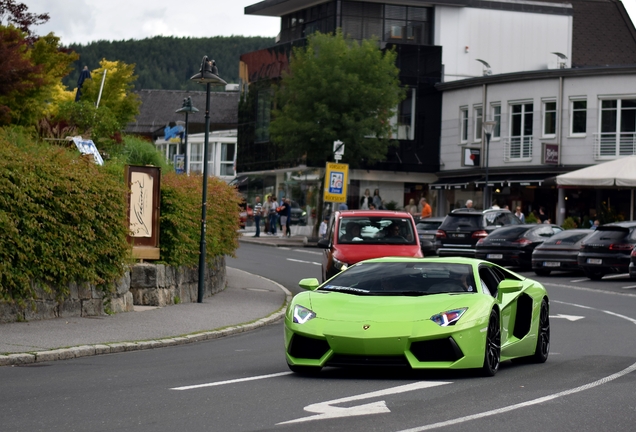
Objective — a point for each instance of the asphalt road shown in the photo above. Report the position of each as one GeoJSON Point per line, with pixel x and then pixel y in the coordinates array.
{"type": "Point", "coordinates": [242, 383]}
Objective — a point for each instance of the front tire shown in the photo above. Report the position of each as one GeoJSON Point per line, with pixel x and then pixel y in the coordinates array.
{"type": "Point", "coordinates": [492, 352]}
{"type": "Point", "coordinates": [595, 275]}
{"type": "Point", "coordinates": [543, 334]}
{"type": "Point", "coordinates": [542, 272]}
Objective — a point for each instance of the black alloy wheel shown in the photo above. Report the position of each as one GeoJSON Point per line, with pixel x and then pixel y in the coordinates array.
{"type": "Point", "coordinates": [595, 275]}
{"type": "Point", "coordinates": [492, 352]}
{"type": "Point", "coordinates": [543, 335]}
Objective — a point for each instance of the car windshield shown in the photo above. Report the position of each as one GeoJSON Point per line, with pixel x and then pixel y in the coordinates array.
{"type": "Point", "coordinates": [567, 237]}
{"type": "Point", "coordinates": [404, 278]}
{"type": "Point", "coordinates": [376, 230]}
{"type": "Point", "coordinates": [608, 234]}
{"type": "Point", "coordinates": [427, 226]}
{"type": "Point", "coordinates": [454, 221]}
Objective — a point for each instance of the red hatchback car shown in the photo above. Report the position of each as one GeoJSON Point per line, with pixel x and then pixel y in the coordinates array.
{"type": "Point", "coordinates": [357, 235]}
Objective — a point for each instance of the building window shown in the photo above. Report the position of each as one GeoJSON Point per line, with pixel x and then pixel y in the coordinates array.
{"type": "Point", "coordinates": [405, 117]}
{"type": "Point", "coordinates": [618, 128]}
{"type": "Point", "coordinates": [478, 123]}
{"type": "Point", "coordinates": [520, 143]}
{"type": "Point", "coordinates": [549, 119]}
{"type": "Point", "coordinates": [389, 23]}
{"type": "Point", "coordinates": [496, 116]}
{"type": "Point", "coordinates": [463, 127]}
{"type": "Point", "coordinates": [263, 115]}
{"type": "Point", "coordinates": [227, 159]}
{"type": "Point", "coordinates": [578, 124]}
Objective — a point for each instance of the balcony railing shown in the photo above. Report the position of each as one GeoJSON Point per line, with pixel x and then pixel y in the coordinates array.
{"type": "Point", "coordinates": [610, 145]}
{"type": "Point", "coordinates": [518, 149]}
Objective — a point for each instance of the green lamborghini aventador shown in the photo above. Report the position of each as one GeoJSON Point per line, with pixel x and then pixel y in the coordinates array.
{"type": "Point", "coordinates": [424, 313]}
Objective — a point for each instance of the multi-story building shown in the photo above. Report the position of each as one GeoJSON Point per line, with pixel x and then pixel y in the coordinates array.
{"type": "Point", "coordinates": [455, 57]}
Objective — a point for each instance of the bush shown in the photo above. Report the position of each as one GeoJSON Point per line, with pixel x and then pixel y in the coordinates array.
{"type": "Point", "coordinates": [181, 218]}
{"type": "Point", "coordinates": [531, 218]}
{"type": "Point", "coordinates": [62, 219]}
{"type": "Point", "coordinates": [569, 223]}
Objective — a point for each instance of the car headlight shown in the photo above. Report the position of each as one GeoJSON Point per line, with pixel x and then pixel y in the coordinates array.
{"type": "Point", "coordinates": [339, 265]}
{"type": "Point", "coordinates": [302, 314]}
{"type": "Point", "coordinates": [304, 213]}
{"type": "Point", "coordinates": [449, 317]}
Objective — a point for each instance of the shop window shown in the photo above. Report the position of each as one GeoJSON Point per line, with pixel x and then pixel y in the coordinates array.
{"type": "Point", "coordinates": [549, 119]}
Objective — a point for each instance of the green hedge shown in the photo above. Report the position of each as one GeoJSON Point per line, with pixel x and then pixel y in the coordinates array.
{"type": "Point", "coordinates": [62, 219]}
{"type": "Point", "coordinates": [181, 218]}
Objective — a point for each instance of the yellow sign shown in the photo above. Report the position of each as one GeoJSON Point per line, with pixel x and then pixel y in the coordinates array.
{"type": "Point", "coordinates": [336, 179]}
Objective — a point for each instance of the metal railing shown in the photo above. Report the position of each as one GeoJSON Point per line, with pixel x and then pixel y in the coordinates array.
{"type": "Point", "coordinates": [518, 149]}
{"type": "Point", "coordinates": [609, 145]}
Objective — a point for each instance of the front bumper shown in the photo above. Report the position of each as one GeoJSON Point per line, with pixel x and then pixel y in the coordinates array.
{"type": "Point", "coordinates": [419, 345]}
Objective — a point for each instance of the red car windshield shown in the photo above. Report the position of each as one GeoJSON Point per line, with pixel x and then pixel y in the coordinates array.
{"type": "Point", "coordinates": [376, 230]}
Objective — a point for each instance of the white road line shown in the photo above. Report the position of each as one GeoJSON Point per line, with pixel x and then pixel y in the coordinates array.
{"type": "Point", "coordinates": [304, 262]}
{"type": "Point", "coordinates": [614, 276]}
{"type": "Point", "coordinates": [629, 287]}
{"type": "Point", "coordinates": [218, 383]}
{"type": "Point", "coordinates": [308, 252]}
{"type": "Point", "coordinates": [588, 289]}
{"type": "Point", "coordinates": [580, 280]}
{"type": "Point", "coordinates": [326, 410]}
{"type": "Point", "coordinates": [540, 400]}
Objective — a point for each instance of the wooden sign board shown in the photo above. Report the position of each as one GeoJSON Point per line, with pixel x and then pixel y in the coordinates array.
{"type": "Point", "coordinates": [144, 202]}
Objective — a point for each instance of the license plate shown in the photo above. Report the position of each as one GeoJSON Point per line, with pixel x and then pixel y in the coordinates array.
{"type": "Point", "coordinates": [495, 256]}
{"type": "Point", "coordinates": [594, 261]}
{"type": "Point", "coordinates": [458, 235]}
{"type": "Point", "coordinates": [551, 264]}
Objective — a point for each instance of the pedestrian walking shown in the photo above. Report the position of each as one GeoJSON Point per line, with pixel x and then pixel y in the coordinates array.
{"type": "Point", "coordinates": [365, 200]}
{"type": "Point", "coordinates": [273, 215]}
{"type": "Point", "coordinates": [284, 211]}
{"type": "Point", "coordinates": [267, 205]}
{"type": "Point", "coordinates": [343, 206]}
{"type": "Point", "coordinates": [469, 204]}
{"type": "Point", "coordinates": [411, 207]}
{"type": "Point", "coordinates": [427, 211]}
{"type": "Point", "coordinates": [542, 216]}
{"type": "Point", "coordinates": [258, 212]}
{"type": "Point", "coordinates": [322, 230]}
{"type": "Point", "coordinates": [377, 200]}
{"type": "Point", "coordinates": [520, 215]}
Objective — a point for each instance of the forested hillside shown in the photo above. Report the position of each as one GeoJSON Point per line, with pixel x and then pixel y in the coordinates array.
{"type": "Point", "coordinates": [168, 62]}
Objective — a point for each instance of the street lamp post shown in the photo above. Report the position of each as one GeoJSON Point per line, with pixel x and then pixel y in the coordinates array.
{"type": "Point", "coordinates": [208, 75]}
{"type": "Point", "coordinates": [187, 108]}
{"type": "Point", "coordinates": [488, 127]}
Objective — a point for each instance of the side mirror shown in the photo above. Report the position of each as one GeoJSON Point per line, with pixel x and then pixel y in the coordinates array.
{"type": "Point", "coordinates": [323, 243]}
{"type": "Point", "coordinates": [309, 284]}
{"type": "Point", "coordinates": [508, 286]}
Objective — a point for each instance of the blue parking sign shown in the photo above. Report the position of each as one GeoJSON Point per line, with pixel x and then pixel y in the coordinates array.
{"type": "Point", "coordinates": [336, 182]}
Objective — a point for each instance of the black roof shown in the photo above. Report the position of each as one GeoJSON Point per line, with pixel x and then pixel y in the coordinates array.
{"type": "Point", "coordinates": [158, 109]}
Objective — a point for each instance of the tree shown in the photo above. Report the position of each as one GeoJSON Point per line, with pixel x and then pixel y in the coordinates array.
{"type": "Point", "coordinates": [12, 13]}
{"type": "Point", "coordinates": [337, 89]}
{"type": "Point", "coordinates": [117, 94]}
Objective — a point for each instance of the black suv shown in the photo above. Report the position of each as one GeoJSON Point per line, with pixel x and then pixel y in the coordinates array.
{"type": "Point", "coordinates": [608, 250]}
{"type": "Point", "coordinates": [461, 230]}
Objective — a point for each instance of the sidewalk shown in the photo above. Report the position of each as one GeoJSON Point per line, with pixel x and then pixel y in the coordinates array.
{"type": "Point", "coordinates": [300, 237]}
{"type": "Point", "coordinates": [248, 302]}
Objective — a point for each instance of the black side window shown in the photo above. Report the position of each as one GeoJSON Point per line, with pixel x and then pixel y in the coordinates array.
{"type": "Point", "coordinates": [488, 277]}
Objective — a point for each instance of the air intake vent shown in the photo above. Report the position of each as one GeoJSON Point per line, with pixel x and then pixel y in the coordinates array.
{"type": "Point", "coordinates": [437, 350]}
{"type": "Point", "coordinates": [307, 348]}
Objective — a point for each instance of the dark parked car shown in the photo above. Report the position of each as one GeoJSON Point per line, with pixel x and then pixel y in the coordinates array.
{"type": "Point", "coordinates": [460, 231]}
{"type": "Point", "coordinates": [298, 215]}
{"type": "Point", "coordinates": [608, 250]}
{"type": "Point", "coordinates": [559, 252]}
{"type": "Point", "coordinates": [513, 245]}
{"type": "Point", "coordinates": [632, 265]}
{"type": "Point", "coordinates": [426, 231]}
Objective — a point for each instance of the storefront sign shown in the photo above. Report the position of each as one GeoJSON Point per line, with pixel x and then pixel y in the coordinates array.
{"type": "Point", "coordinates": [550, 154]}
{"type": "Point", "coordinates": [471, 157]}
{"type": "Point", "coordinates": [143, 210]}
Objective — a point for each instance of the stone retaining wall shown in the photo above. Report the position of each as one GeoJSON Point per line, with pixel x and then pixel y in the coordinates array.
{"type": "Point", "coordinates": [146, 284]}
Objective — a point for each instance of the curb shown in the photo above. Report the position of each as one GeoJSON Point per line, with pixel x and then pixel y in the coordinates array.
{"type": "Point", "coordinates": [18, 359]}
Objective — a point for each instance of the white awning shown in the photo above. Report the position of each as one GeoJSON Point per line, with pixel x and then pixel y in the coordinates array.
{"type": "Point", "coordinates": [618, 172]}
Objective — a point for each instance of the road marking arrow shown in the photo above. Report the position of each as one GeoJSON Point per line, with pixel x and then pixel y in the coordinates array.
{"type": "Point", "coordinates": [325, 410]}
{"type": "Point", "coordinates": [567, 317]}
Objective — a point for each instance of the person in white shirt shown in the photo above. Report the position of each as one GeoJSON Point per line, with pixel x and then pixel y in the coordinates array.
{"type": "Point", "coordinates": [322, 231]}
{"type": "Point", "coordinates": [520, 215]}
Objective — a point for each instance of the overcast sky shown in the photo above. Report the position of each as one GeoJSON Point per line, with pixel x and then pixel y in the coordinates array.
{"type": "Point", "coordinates": [83, 21]}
